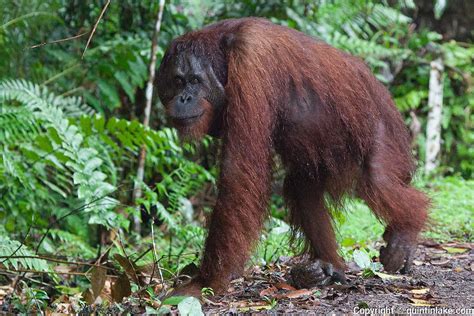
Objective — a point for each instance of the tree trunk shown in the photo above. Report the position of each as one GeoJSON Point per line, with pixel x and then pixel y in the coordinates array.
{"type": "Point", "coordinates": [137, 191]}
{"type": "Point", "coordinates": [433, 127]}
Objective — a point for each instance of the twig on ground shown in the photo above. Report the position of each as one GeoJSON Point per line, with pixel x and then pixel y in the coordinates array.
{"type": "Point", "coordinates": [155, 262]}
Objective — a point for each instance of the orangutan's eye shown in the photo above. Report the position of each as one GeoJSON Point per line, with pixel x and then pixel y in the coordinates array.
{"type": "Point", "coordinates": [179, 81]}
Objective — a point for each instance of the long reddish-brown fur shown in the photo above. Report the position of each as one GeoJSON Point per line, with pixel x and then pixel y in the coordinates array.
{"type": "Point", "coordinates": [334, 125]}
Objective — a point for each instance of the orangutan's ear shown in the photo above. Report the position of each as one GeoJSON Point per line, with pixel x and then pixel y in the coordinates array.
{"type": "Point", "coordinates": [228, 41]}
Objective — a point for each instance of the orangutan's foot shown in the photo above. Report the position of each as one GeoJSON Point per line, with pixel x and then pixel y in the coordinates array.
{"type": "Point", "coordinates": [316, 273]}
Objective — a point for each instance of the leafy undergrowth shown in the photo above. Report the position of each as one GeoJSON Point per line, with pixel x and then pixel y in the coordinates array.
{"type": "Point", "coordinates": [126, 279]}
{"type": "Point", "coordinates": [442, 277]}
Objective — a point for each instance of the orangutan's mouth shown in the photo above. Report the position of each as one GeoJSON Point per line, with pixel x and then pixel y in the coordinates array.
{"type": "Point", "coordinates": [186, 120]}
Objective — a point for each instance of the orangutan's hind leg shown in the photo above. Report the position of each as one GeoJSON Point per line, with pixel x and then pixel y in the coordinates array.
{"type": "Point", "coordinates": [385, 187]}
{"type": "Point", "coordinates": [309, 215]}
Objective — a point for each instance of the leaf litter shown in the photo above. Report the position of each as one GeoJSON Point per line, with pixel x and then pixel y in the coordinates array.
{"type": "Point", "coordinates": [442, 277]}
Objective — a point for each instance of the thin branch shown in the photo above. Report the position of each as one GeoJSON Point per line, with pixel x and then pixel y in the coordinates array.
{"type": "Point", "coordinates": [48, 272]}
{"type": "Point", "coordinates": [95, 27]}
{"type": "Point", "coordinates": [23, 17]}
{"type": "Point", "coordinates": [11, 275]}
{"type": "Point", "coordinates": [76, 210]}
{"type": "Point", "coordinates": [143, 254]}
{"type": "Point", "coordinates": [19, 247]}
{"type": "Point", "coordinates": [105, 253]}
{"type": "Point", "coordinates": [58, 261]}
{"type": "Point", "coordinates": [72, 91]}
{"type": "Point", "coordinates": [60, 40]}
{"type": "Point", "coordinates": [59, 75]}
{"type": "Point", "coordinates": [155, 262]}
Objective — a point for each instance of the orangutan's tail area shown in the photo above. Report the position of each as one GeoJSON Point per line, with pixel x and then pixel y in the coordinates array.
{"type": "Point", "coordinates": [334, 125]}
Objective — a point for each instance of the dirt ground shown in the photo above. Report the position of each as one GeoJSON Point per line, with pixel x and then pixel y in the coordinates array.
{"type": "Point", "coordinates": [442, 282]}
{"type": "Point", "coordinates": [442, 277]}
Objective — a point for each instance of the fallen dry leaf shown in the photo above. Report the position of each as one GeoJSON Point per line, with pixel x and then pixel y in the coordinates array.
{"type": "Point", "coordinates": [386, 276]}
{"type": "Point", "coordinates": [419, 302]}
{"type": "Point", "coordinates": [128, 266]}
{"type": "Point", "coordinates": [121, 288]}
{"type": "Point", "coordinates": [430, 243]}
{"type": "Point", "coordinates": [420, 291]}
{"type": "Point", "coordinates": [296, 294]}
{"type": "Point", "coordinates": [246, 306]}
{"type": "Point", "coordinates": [255, 308]}
{"type": "Point", "coordinates": [88, 297]}
{"type": "Point", "coordinates": [63, 269]}
{"type": "Point", "coordinates": [268, 291]}
{"type": "Point", "coordinates": [98, 277]}
{"type": "Point", "coordinates": [63, 308]}
{"type": "Point", "coordinates": [284, 286]}
{"type": "Point", "coordinates": [459, 245]}
{"type": "Point", "coordinates": [440, 262]}
{"type": "Point", "coordinates": [417, 262]}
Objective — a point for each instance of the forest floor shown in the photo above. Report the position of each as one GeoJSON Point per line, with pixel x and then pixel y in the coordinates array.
{"type": "Point", "coordinates": [442, 281]}
{"type": "Point", "coordinates": [442, 277]}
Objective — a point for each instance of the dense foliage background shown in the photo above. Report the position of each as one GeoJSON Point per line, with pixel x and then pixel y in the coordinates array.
{"type": "Point", "coordinates": [71, 131]}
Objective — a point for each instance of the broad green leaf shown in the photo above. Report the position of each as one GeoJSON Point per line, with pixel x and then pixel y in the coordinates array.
{"type": "Point", "coordinates": [190, 306]}
{"type": "Point", "coordinates": [361, 258]}
{"type": "Point", "coordinates": [173, 300]}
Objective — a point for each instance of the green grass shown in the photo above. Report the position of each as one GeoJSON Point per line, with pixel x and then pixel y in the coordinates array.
{"type": "Point", "coordinates": [451, 214]}
{"type": "Point", "coordinates": [451, 217]}
{"type": "Point", "coordinates": [359, 225]}
{"type": "Point", "coordinates": [452, 211]}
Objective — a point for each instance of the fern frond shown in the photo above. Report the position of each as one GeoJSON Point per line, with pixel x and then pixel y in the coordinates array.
{"type": "Point", "coordinates": [62, 143]}
{"type": "Point", "coordinates": [73, 243]}
{"type": "Point", "coordinates": [363, 48]}
{"type": "Point", "coordinates": [37, 97]}
{"type": "Point", "coordinates": [14, 248]}
{"type": "Point", "coordinates": [17, 125]}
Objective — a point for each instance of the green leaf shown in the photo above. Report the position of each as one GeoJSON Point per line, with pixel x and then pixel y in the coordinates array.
{"type": "Point", "coordinates": [190, 306]}
{"type": "Point", "coordinates": [10, 247]}
{"type": "Point", "coordinates": [174, 300]}
{"type": "Point", "coordinates": [386, 276]}
{"type": "Point", "coordinates": [110, 93]}
{"type": "Point", "coordinates": [455, 250]}
{"type": "Point", "coordinates": [92, 164]}
{"type": "Point", "coordinates": [440, 6]}
{"type": "Point", "coordinates": [126, 86]}
{"type": "Point", "coordinates": [361, 258]}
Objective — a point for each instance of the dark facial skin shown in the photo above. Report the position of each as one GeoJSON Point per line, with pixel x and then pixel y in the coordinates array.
{"type": "Point", "coordinates": [192, 95]}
